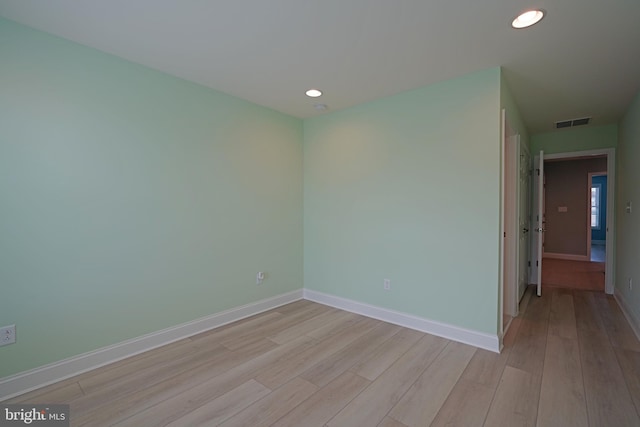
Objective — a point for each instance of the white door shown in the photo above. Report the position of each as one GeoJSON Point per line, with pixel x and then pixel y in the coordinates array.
{"type": "Point", "coordinates": [524, 217]}
{"type": "Point", "coordinates": [540, 222]}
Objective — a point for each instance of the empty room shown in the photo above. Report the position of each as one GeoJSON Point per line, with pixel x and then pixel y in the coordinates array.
{"type": "Point", "coordinates": [300, 213]}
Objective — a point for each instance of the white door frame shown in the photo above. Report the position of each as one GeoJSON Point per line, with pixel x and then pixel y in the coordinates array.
{"type": "Point", "coordinates": [509, 180]}
{"type": "Point", "coordinates": [523, 150]}
{"type": "Point", "coordinates": [540, 221]}
{"type": "Point", "coordinates": [610, 153]}
{"type": "Point", "coordinates": [535, 224]}
{"type": "Point", "coordinates": [511, 226]}
{"type": "Point", "coordinates": [501, 278]}
{"type": "Point", "coordinates": [514, 150]}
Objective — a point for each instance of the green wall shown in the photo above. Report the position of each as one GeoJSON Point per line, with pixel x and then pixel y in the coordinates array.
{"type": "Point", "coordinates": [513, 113]}
{"type": "Point", "coordinates": [575, 139]}
{"type": "Point", "coordinates": [628, 224]}
{"type": "Point", "coordinates": [132, 201]}
{"type": "Point", "coordinates": [408, 188]}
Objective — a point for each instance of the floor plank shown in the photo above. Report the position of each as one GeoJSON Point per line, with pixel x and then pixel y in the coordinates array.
{"type": "Point", "coordinates": [420, 405]}
{"type": "Point", "coordinates": [587, 317]}
{"type": "Point", "coordinates": [538, 308]}
{"type": "Point", "coordinates": [278, 373]}
{"type": "Point", "coordinates": [324, 404]}
{"type": "Point", "coordinates": [486, 367]}
{"type": "Point", "coordinates": [218, 410]}
{"type": "Point", "coordinates": [614, 321]}
{"type": "Point", "coordinates": [266, 329]}
{"type": "Point", "coordinates": [562, 319]}
{"type": "Point", "coordinates": [125, 397]}
{"type": "Point", "coordinates": [334, 326]}
{"type": "Point", "coordinates": [608, 400]}
{"type": "Point", "coordinates": [122, 370]}
{"type": "Point", "coordinates": [630, 365]}
{"type": "Point", "coordinates": [236, 328]}
{"type": "Point", "coordinates": [390, 422]}
{"type": "Point", "coordinates": [528, 351]}
{"type": "Point", "coordinates": [373, 404]}
{"type": "Point", "coordinates": [126, 379]}
{"type": "Point", "coordinates": [292, 307]}
{"type": "Point", "coordinates": [331, 367]}
{"type": "Point", "coordinates": [466, 406]}
{"type": "Point", "coordinates": [301, 328]}
{"type": "Point", "coordinates": [516, 400]}
{"type": "Point", "coordinates": [384, 356]}
{"type": "Point", "coordinates": [510, 337]}
{"type": "Point", "coordinates": [562, 401]}
{"type": "Point", "coordinates": [254, 349]}
{"type": "Point", "coordinates": [269, 409]}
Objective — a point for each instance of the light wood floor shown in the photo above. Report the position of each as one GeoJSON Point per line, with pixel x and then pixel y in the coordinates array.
{"type": "Point", "coordinates": [570, 359]}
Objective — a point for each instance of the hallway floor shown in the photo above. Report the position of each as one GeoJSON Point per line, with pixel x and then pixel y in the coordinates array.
{"type": "Point", "coordinates": [573, 274]}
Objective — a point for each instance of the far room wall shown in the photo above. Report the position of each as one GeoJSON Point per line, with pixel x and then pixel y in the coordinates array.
{"type": "Point", "coordinates": [567, 204]}
{"type": "Point", "coordinates": [408, 188]}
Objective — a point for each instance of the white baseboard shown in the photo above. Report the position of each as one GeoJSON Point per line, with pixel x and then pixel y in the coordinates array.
{"type": "Point", "coordinates": [24, 382]}
{"type": "Point", "coordinates": [570, 257]}
{"type": "Point", "coordinates": [454, 333]}
{"type": "Point", "coordinates": [633, 321]}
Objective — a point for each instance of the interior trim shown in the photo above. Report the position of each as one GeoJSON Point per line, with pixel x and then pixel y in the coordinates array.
{"type": "Point", "coordinates": [454, 333]}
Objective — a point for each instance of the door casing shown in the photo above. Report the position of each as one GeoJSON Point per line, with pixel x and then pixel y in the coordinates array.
{"type": "Point", "coordinates": [610, 239]}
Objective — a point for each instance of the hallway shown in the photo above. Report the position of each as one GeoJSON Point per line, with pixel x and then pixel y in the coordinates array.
{"type": "Point", "coordinates": [583, 356]}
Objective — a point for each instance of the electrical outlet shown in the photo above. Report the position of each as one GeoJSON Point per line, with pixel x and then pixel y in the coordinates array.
{"type": "Point", "coordinates": [7, 335]}
{"type": "Point", "coordinates": [259, 277]}
{"type": "Point", "coordinates": [387, 284]}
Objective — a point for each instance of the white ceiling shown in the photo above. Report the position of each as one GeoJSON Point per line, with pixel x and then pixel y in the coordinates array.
{"type": "Point", "coordinates": [583, 59]}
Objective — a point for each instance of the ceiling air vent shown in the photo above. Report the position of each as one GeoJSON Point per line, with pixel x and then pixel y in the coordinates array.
{"type": "Point", "coordinates": [573, 122]}
{"type": "Point", "coordinates": [580, 122]}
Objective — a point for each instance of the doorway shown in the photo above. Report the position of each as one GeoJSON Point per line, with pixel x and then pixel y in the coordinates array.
{"type": "Point", "coordinates": [566, 259]}
{"type": "Point", "coordinates": [597, 216]}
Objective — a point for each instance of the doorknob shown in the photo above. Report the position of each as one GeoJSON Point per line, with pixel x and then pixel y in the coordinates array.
{"type": "Point", "coordinates": [540, 230]}
{"type": "Point", "coordinates": [525, 230]}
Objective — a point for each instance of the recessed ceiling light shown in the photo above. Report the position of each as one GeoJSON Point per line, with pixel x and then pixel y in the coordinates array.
{"type": "Point", "coordinates": [313, 93]}
{"type": "Point", "coordinates": [528, 18]}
